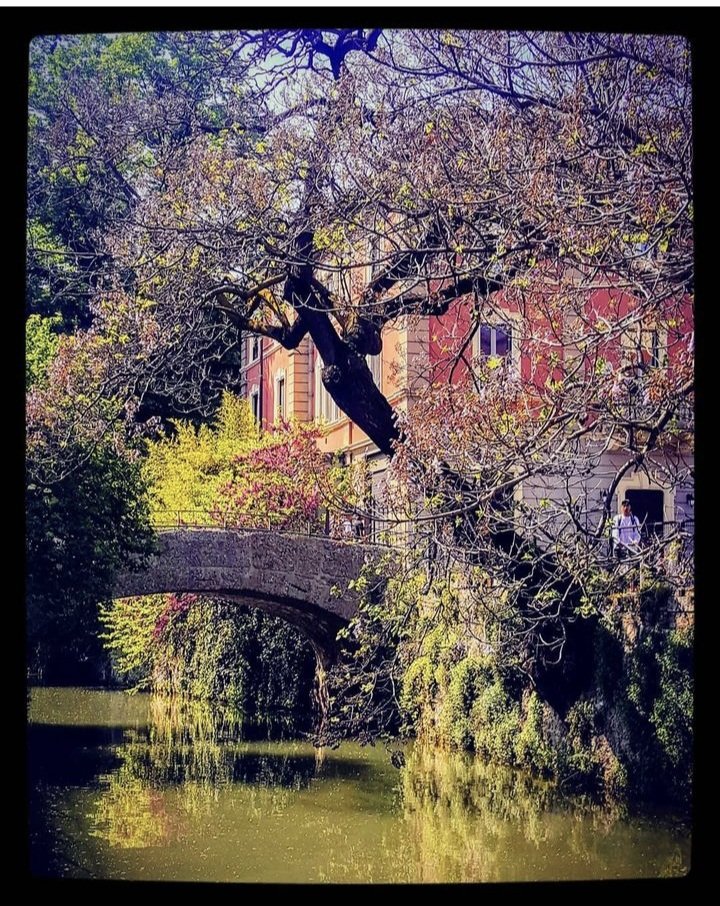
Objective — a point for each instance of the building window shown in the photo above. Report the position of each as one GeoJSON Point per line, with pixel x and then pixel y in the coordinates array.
{"type": "Point", "coordinates": [375, 365]}
{"type": "Point", "coordinates": [653, 506]}
{"type": "Point", "coordinates": [645, 346]}
{"type": "Point", "coordinates": [649, 508]}
{"type": "Point", "coordinates": [280, 397]}
{"type": "Point", "coordinates": [254, 348]}
{"type": "Point", "coordinates": [495, 340]}
{"type": "Point", "coordinates": [650, 347]}
{"type": "Point", "coordinates": [326, 409]}
{"type": "Point", "coordinates": [255, 404]}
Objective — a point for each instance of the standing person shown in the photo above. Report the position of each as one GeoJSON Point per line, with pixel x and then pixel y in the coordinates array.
{"type": "Point", "coordinates": [625, 532]}
{"type": "Point", "coordinates": [347, 527]}
{"type": "Point", "coordinates": [359, 526]}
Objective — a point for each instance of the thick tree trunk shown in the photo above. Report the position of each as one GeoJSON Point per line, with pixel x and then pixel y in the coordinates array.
{"type": "Point", "coordinates": [351, 386]}
{"type": "Point", "coordinates": [349, 381]}
{"type": "Point", "coordinates": [345, 374]}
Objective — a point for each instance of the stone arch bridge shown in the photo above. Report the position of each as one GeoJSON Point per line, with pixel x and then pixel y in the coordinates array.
{"type": "Point", "coordinates": [301, 578]}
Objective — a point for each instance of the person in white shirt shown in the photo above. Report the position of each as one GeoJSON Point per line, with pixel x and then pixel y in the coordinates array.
{"type": "Point", "coordinates": [625, 532]}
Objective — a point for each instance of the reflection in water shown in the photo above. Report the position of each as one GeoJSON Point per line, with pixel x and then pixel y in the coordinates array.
{"type": "Point", "coordinates": [466, 816]}
{"type": "Point", "coordinates": [189, 792]}
{"type": "Point", "coordinates": [194, 748]}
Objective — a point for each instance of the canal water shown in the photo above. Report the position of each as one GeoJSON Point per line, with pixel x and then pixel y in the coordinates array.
{"type": "Point", "coordinates": [139, 787]}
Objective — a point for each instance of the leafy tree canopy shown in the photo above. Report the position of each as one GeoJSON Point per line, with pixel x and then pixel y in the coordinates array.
{"type": "Point", "coordinates": [329, 182]}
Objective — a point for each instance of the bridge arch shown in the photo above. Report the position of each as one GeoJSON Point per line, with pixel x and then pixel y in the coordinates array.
{"type": "Point", "coordinates": [302, 579]}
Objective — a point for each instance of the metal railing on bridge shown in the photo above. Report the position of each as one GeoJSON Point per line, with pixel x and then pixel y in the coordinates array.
{"type": "Point", "coordinates": [656, 531]}
{"type": "Point", "coordinates": [339, 526]}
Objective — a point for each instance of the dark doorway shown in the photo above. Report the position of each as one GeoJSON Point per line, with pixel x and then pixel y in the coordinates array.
{"type": "Point", "coordinates": [648, 506]}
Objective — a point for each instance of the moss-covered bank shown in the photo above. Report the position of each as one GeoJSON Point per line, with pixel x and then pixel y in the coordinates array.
{"type": "Point", "coordinates": [627, 733]}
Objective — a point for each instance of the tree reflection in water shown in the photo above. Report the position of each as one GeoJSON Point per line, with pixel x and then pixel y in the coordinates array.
{"type": "Point", "coordinates": [176, 790]}
{"type": "Point", "coordinates": [171, 770]}
{"type": "Point", "coordinates": [468, 820]}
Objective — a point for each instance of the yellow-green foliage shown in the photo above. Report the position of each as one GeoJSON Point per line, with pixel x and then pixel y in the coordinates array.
{"type": "Point", "coordinates": [494, 723]}
{"type": "Point", "coordinates": [425, 679]}
{"type": "Point", "coordinates": [672, 710]}
{"type": "Point", "coordinates": [186, 471]}
{"type": "Point", "coordinates": [229, 468]}
{"type": "Point", "coordinates": [656, 693]}
{"type": "Point", "coordinates": [580, 720]}
{"type": "Point", "coordinates": [418, 696]}
{"type": "Point", "coordinates": [531, 748]}
{"type": "Point", "coordinates": [460, 700]}
{"type": "Point", "coordinates": [629, 731]}
{"type": "Point", "coordinates": [210, 650]}
{"type": "Point", "coordinates": [129, 624]}
{"type": "Point", "coordinates": [41, 346]}
{"type": "Point", "coordinates": [466, 681]}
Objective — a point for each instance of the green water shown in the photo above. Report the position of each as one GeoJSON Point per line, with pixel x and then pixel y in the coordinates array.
{"type": "Point", "coordinates": [137, 787]}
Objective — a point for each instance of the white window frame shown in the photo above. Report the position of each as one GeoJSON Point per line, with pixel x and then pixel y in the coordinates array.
{"type": "Point", "coordinates": [252, 340]}
{"type": "Point", "coordinates": [280, 412]}
{"type": "Point", "coordinates": [649, 338]}
{"type": "Point", "coordinates": [510, 323]}
{"type": "Point", "coordinates": [374, 363]}
{"type": "Point", "coordinates": [255, 403]}
{"type": "Point", "coordinates": [325, 407]}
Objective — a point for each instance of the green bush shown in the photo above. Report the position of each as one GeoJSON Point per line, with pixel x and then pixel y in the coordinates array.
{"type": "Point", "coordinates": [627, 732]}
{"type": "Point", "coordinates": [531, 749]}
{"type": "Point", "coordinates": [419, 690]}
{"type": "Point", "coordinates": [211, 651]}
{"type": "Point", "coordinates": [495, 723]}
{"type": "Point", "coordinates": [577, 766]}
{"type": "Point", "coordinates": [672, 710]}
{"type": "Point", "coordinates": [467, 679]}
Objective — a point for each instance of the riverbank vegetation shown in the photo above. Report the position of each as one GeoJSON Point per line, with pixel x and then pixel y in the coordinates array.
{"type": "Point", "coordinates": [420, 666]}
{"type": "Point", "coordinates": [87, 515]}
{"type": "Point", "coordinates": [628, 733]}
{"type": "Point", "coordinates": [210, 650]}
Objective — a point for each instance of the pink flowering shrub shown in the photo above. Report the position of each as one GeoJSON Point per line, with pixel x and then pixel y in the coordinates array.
{"type": "Point", "coordinates": [285, 483]}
